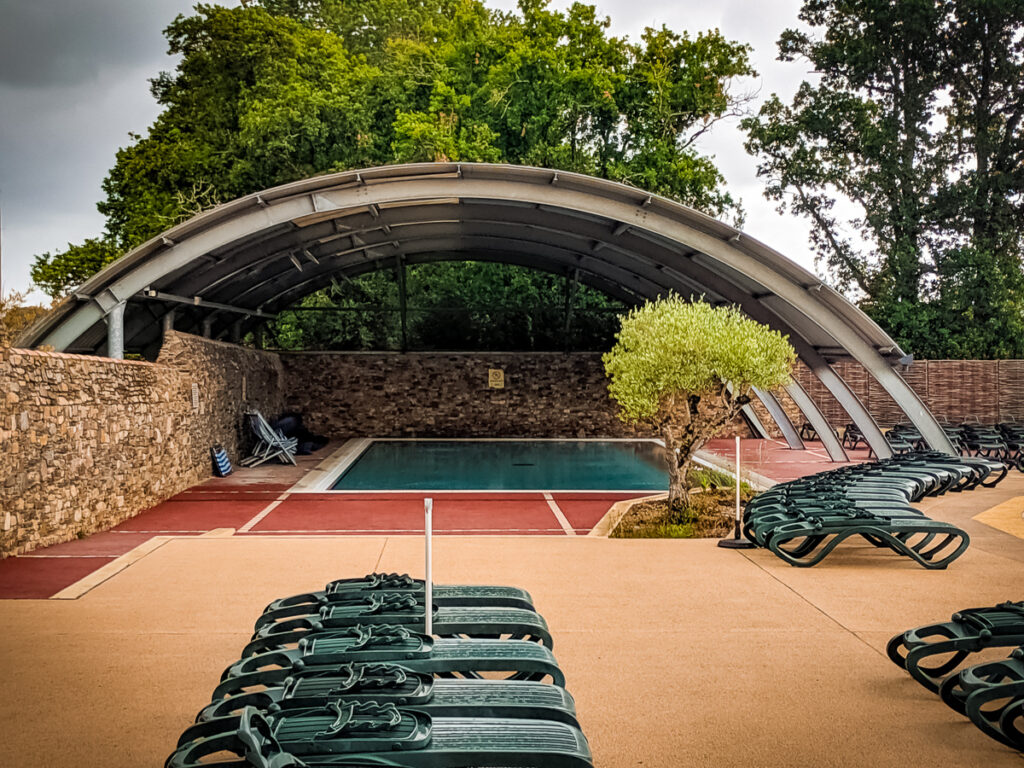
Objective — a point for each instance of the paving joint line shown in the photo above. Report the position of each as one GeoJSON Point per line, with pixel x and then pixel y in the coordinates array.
{"type": "Point", "coordinates": [64, 557]}
{"type": "Point", "coordinates": [819, 609]}
{"type": "Point", "coordinates": [393, 531]}
{"type": "Point", "coordinates": [559, 515]}
{"type": "Point", "coordinates": [264, 512]}
{"type": "Point", "coordinates": [376, 566]}
{"type": "Point", "coordinates": [89, 582]}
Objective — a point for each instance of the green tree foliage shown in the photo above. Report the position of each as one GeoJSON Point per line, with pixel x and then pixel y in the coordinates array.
{"type": "Point", "coordinates": [915, 124]}
{"type": "Point", "coordinates": [288, 89]}
{"type": "Point", "coordinates": [257, 100]}
{"type": "Point", "coordinates": [686, 369]}
{"type": "Point", "coordinates": [58, 273]}
{"type": "Point", "coordinates": [451, 306]}
{"type": "Point", "coordinates": [16, 316]}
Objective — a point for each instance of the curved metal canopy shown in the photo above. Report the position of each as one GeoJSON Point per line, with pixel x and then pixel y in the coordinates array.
{"type": "Point", "coordinates": [243, 261]}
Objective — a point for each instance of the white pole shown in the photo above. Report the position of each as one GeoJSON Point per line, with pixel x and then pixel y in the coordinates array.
{"type": "Point", "coordinates": [737, 483]}
{"type": "Point", "coordinates": [428, 584]}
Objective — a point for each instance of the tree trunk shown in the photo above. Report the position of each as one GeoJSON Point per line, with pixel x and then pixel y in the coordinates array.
{"type": "Point", "coordinates": [678, 494]}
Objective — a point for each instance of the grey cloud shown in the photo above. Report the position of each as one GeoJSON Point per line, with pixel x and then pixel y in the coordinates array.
{"type": "Point", "coordinates": [73, 83]}
{"type": "Point", "coordinates": [61, 42]}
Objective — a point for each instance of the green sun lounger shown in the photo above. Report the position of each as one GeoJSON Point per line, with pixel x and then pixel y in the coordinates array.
{"type": "Point", "coordinates": [404, 610]}
{"type": "Point", "coordinates": [391, 683]}
{"type": "Point", "coordinates": [930, 543]}
{"type": "Point", "coordinates": [461, 595]}
{"type": "Point", "coordinates": [804, 520]}
{"type": "Point", "coordinates": [383, 735]}
{"type": "Point", "coordinates": [1011, 723]}
{"type": "Point", "coordinates": [452, 594]}
{"type": "Point", "coordinates": [967, 632]}
{"type": "Point", "coordinates": [991, 694]}
{"type": "Point", "coordinates": [325, 653]}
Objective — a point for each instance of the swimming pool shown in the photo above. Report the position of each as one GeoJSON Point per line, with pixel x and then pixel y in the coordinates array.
{"type": "Point", "coordinates": [480, 465]}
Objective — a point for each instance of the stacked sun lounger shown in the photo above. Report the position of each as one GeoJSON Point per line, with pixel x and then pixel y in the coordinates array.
{"type": "Point", "coordinates": [901, 439]}
{"type": "Point", "coordinates": [802, 521]}
{"type": "Point", "coordinates": [344, 676]}
{"type": "Point", "coordinates": [1003, 441]}
{"type": "Point", "coordinates": [991, 694]}
{"type": "Point", "coordinates": [1013, 435]}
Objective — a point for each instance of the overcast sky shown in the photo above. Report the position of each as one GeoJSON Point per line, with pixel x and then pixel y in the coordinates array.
{"type": "Point", "coordinates": [74, 83]}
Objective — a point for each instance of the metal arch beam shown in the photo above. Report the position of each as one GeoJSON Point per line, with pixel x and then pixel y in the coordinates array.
{"type": "Point", "coordinates": [206, 240]}
{"type": "Point", "coordinates": [817, 420]}
{"type": "Point", "coordinates": [582, 197]}
{"type": "Point", "coordinates": [847, 398]}
{"type": "Point", "coordinates": [83, 317]}
{"type": "Point", "coordinates": [555, 256]}
{"type": "Point", "coordinates": [754, 421]}
{"type": "Point", "coordinates": [585, 242]}
{"type": "Point", "coordinates": [308, 197]}
{"type": "Point", "coordinates": [775, 410]}
{"type": "Point", "coordinates": [203, 237]}
{"type": "Point", "coordinates": [433, 232]}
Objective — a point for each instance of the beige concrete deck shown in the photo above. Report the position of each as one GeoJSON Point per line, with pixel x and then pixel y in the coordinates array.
{"type": "Point", "coordinates": [678, 653]}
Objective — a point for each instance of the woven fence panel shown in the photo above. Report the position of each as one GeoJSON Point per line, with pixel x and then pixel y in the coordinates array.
{"type": "Point", "coordinates": [1011, 390]}
{"type": "Point", "coordinates": [858, 380]}
{"type": "Point", "coordinates": [964, 390]}
{"type": "Point", "coordinates": [954, 390]}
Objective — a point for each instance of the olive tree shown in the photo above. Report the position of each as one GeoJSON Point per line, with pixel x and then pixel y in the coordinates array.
{"type": "Point", "coordinates": [686, 369]}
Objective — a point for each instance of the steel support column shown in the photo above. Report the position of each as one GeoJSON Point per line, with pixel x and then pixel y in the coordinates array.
{"type": "Point", "coordinates": [817, 420]}
{"type": "Point", "coordinates": [776, 411]}
{"type": "Point", "coordinates": [571, 279]}
{"type": "Point", "coordinates": [115, 331]}
{"type": "Point", "coordinates": [402, 300]}
{"type": "Point", "coordinates": [754, 421]}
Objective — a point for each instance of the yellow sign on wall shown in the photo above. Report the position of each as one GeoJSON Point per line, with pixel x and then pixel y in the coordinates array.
{"type": "Point", "coordinates": [495, 378]}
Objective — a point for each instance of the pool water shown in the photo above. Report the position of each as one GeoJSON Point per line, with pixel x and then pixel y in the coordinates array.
{"type": "Point", "coordinates": [547, 465]}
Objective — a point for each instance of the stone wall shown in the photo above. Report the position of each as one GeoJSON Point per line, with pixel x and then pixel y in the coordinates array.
{"type": "Point", "coordinates": [954, 390]}
{"type": "Point", "coordinates": [554, 394]}
{"type": "Point", "coordinates": [447, 395]}
{"type": "Point", "coordinates": [229, 378]}
{"type": "Point", "coordinates": [86, 442]}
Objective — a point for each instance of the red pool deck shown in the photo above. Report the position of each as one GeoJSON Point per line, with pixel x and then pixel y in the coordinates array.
{"type": "Point", "coordinates": [775, 461]}
{"type": "Point", "coordinates": [261, 502]}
